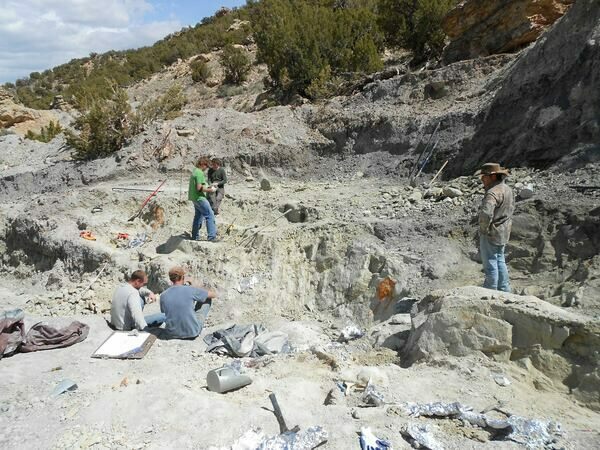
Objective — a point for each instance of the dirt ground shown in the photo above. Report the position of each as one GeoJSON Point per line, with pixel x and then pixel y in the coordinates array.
{"type": "Point", "coordinates": [162, 401]}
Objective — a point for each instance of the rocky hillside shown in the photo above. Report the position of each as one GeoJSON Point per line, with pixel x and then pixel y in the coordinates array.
{"type": "Point", "coordinates": [328, 240]}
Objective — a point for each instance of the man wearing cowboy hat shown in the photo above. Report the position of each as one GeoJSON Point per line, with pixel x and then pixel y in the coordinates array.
{"type": "Point", "coordinates": [495, 222]}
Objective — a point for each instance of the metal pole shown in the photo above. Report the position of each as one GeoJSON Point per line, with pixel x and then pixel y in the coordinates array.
{"type": "Point", "coordinates": [438, 173]}
{"type": "Point", "coordinates": [133, 189]}
{"type": "Point", "coordinates": [424, 149]}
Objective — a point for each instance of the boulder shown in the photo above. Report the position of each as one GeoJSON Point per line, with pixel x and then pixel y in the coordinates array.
{"type": "Point", "coordinates": [506, 327]}
{"type": "Point", "coordinates": [451, 192]}
{"type": "Point", "coordinates": [237, 24]}
{"type": "Point", "coordinates": [58, 102]}
{"type": "Point", "coordinates": [392, 333]}
{"type": "Point", "coordinates": [477, 28]}
{"type": "Point", "coordinates": [415, 197]}
{"type": "Point", "coordinates": [11, 114]}
{"type": "Point", "coordinates": [297, 213]}
{"type": "Point", "coordinates": [265, 185]}
{"type": "Point", "coordinates": [21, 118]}
{"type": "Point", "coordinates": [5, 95]}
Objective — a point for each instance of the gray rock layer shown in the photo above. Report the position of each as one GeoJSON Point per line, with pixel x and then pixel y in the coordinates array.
{"type": "Point", "coordinates": [547, 107]}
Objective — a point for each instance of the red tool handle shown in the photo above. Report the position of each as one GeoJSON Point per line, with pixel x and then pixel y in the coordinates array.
{"type": "Point", "coordinates": [152, 195]}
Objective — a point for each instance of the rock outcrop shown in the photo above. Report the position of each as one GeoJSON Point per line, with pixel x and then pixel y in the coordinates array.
{"type": "Point", "coordinates": [20, 117]}
{"type": "Point", "coordinates": [557, 343]}
{"type": "Point", "coordinates": [479, 28]}
{"type": "Point", "coordinates": [545, 109]}
{"type": "Point", "coordinates": [12, 113]}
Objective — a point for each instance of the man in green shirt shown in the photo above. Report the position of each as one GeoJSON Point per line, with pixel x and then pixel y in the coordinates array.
{"type": "Point", "coordinates": [216, 177]}
{"type": "Point", "coordinates": [197, 191]}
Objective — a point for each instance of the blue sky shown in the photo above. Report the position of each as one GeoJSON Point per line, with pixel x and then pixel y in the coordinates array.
{"type": "Point", "coordinates": [39, 34]}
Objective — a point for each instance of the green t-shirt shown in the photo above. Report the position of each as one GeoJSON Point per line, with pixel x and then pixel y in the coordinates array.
{"type": "Point", "coordinates": [196, 179]}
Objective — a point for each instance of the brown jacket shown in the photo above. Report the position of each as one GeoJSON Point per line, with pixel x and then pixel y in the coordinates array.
{"type": "Point", "coordinates": [495, 213]}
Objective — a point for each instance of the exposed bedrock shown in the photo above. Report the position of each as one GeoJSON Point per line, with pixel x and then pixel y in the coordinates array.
{"type": "Point", "coordinates": [550, 341]}
{"type": "Point", "coordinates": [31, 242]}
{"type": "Point", "coordinates": [547, 108]}
{"type": "Point", "coordinates": [477, 28]}
{"type": "Point", "coordinates": [563, 245]}
{"type": "Point", "coordinates": [335, 268]}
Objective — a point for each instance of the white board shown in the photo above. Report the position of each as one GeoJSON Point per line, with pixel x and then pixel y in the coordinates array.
{"type": "Point", "coordinates": [124, 344]}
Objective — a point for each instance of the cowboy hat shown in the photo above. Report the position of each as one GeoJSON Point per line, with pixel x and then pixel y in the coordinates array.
{"type": "Point", "coordinates": [491, 169]}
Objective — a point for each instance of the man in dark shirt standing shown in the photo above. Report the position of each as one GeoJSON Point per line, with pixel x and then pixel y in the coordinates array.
{"type": "Point", "coordinates": [217, 178]}
{"type": "Point", "coordinates": [184, 306]}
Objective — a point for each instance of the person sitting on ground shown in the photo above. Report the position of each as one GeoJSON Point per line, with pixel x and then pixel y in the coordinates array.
{"type": "Point", "coordinates": [185, 306]}
{"type": "Point", "coordinates": [217, 177]}
{"type": "Point", "coordinates": [126, 310]}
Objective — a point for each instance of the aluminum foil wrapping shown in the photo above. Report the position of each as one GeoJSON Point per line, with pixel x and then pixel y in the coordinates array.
{"type": "Point", "coordinates": [532, 433]}
{"type": "Point", "coordinates": [236, 365]}
{"type": "Point", "coordinates": [350, 333]}
{"type": "Point", "coordinates": [372, 396]}
{"type": "Point", "coordinates": [436, 409]}
{"type": "Point", "coordinates": [421, 434]}
{"type": "Point", "coordinates": [529, 432]}
{"type": "Point", "coordinates": [302, 440]}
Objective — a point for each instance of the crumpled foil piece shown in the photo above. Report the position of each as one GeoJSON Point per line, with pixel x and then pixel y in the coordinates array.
{"type": "Point", "coordinates": [255, 439]}
{"type": "Point", "coordinates": [372, 396]}
{"type": "Point", "coordinates": [529, 432]}
{"type": "Point", "coordinates": [236, 365]}
{"type": "Point", "coordinates": [302, 440]}
{"type": "Point", "coordinates": [435, 409]}
{"type": "Point", "coordinates": [533, 433]}
{"type": "Point", "coordinates": [350, 333]}
{"type": "Point", "coordinates": [421, 434]}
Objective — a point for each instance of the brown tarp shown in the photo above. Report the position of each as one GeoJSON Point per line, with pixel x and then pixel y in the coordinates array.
{"type": "Point", "coordinates": [44, 337]}
{"type": "Point", "coordinates": [12, 335]}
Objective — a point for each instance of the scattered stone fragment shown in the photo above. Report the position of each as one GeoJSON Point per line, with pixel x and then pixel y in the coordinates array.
{"type": "Point", "coordinates": [265, 184]}
{"type": "Point", "coordinates": [451, 192]}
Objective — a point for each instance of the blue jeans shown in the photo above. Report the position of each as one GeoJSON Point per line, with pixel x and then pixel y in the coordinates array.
{"type": "Point", "coordinates": [202, 212]}
{"type": "Point", "coordinates": [494, 265]}
{"type": "Point", "coordinates": [202, 310]}
{"type": "Point", "coordinates": [153, 320]}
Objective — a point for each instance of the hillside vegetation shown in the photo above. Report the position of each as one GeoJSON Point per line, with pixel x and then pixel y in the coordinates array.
{"type": "Point", "coordinates": [307, 45]}
{"type": "Point", "coordinates": [83, 81]}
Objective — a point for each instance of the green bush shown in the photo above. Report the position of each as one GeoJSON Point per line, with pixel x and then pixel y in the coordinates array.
{"type": "Point", "coordinates": [305, 41]}
{"type": "Point", "coordinates": [200, 71]}
{"type": "Point", "coordinates": [83, 81]}
{"type": "Point", "coordinates": [47, 133]}
{"type": "Point", "coordinates": [103, 128]}
{"type": "Point", "coordinates": [229, 90]}
{"type": "Point", "coordinates": [415, 25]}
{"type": "Point", "coordinates": [166, 106]}
{"type": "Point", "coordinates": [236, 64]}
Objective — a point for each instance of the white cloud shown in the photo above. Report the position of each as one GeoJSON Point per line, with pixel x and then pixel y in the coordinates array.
{"type": "Point", "coordinates": [39, 34]}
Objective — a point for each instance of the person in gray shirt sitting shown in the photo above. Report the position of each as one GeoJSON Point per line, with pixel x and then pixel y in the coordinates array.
{"type": "Point", "coordinates": [126, 310]}
{"type": "Point", "coordinates": [185, 307]}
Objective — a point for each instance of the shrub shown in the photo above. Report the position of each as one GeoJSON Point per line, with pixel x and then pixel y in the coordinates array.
{"type": "Point", "coordinates": [229, 90]}
{"type": "Point", "coordinates": [236, 64]}
{"type": "Point", "coordinates": [304, 41]}
{"type": "Point", "coordinates": [415, 25]}
{"type": "Point", "coordinates": [103, 128]}
{"type": "Point", "coordinates": [47, 133]}
{"type": "Point", "coordinates": [200, 71]}
{"type": "Point", "coordinates": [166, 106]}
